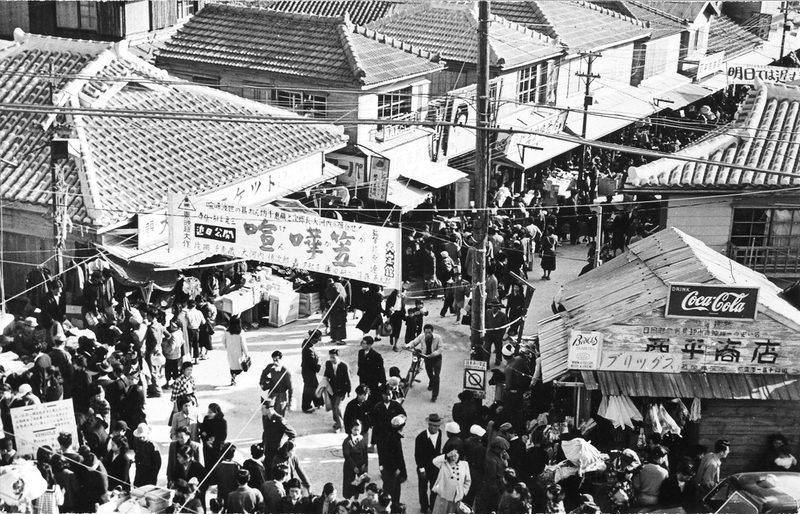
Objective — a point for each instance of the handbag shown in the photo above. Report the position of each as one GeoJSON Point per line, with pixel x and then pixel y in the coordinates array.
{"type": "Point", "coordinates": [466, 319]}
{"type": "Point", "coordinates": [385, 329]}
{"type": "Point", "coordinates": [246, 362]}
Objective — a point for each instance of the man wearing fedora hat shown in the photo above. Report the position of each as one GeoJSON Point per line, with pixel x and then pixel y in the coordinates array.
{"type": "Point", "coordinates": [148, 458]}
{"type": "Point", "coordinates": [427, 446]}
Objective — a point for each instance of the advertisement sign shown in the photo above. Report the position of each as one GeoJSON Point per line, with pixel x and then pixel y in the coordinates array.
{"type": "Point", "coordinates": [748, 73]}
{"type": "Point", "coordinates": [297, 240]}
{"type": "Point", "coordinates": [540, 120]}
{"type": "Point", "coordinates": [378, 179]}
{"type": "Point", "coordinates": [475, 377]}
{"type": "Point", "coordinates": [39, 425]}
{"type": "Point", "coordinates": [710, 64]}
{"type": "Point", "coordinates": [153, 228]}
{"type": "Point", "coordinates": [711, 301]}
{"type": "Point", "coordinates": [584, 349]}
{"type": "Point", "coordinates": [650, 362]}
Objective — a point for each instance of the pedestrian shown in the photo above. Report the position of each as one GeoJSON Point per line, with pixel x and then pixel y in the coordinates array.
{"type": "Point", "coordinates": [382, 415]}
{"type": "Point", "coordinates": [327, 502]}
{"type": "Point", "coordinates": [147, 458]}
{"type": "Point", "coordinates": [195, 320]}
{"type": "Point", "coordinates": [276, 380]}
{"type": "Point", "coordinates": [244, 499]}
{"type": "Point", "coordinates": [707, 476]}
{"type": "Point", "coordinates": [213, 433]}
{"type": "Point", "coordinates": [475, 455]}
{"type": "Point", "coordinates": [272, 490]}
{"type": "Point", "coordinates": [255, 466]}
{"type": "Point", "coordinates": [235, 344]}
{"type": "Point", "coordinates": [515, 309]}
{"type": "Point", "coordinates": [287, 458]}
{"type": "Point", "coordinates": [171, 348]}
{"type": "Point", "coordinates": [183, 386]}
{"type": "Point", "coordinates": [414, 321]}
{"type": "Point", "coordinates": [209, 312]}
{"type": "Point", "coordinates": [427, 446]}
{"type": "Point", "coordinates": [275, 428]}
{"type": "Point", "coordinates": [461, 294]}
{"type": "Point", "coordinates": [185, 417]}
{"type": "Point", "coordinates": [549, 244]}
{"type": "Point", "coordinates": [309, 367]}
{"type": "Point", "coordinates": [432, 351]}
{"type": "Point", "coordinates": [224, 472]}
{"type": "Point", "coordinates": [648, 481]}
{"type": "Point", "coordinates": [356, 462]}
{"type": "Point", "coordinates": [678, 488]}
{"type": "Point", "coordinates": [294, 502]}
{"type": "Point", "coordinates": [118, 465]}
{"type": "Point", "coordinates": [465, 412]}
{"type": "Point", "coordinates": [488, 497]}
{"type": "Point", "coordinates": [371, 319]}
{"type": "Point", "coordinates": [395, 312]}
{"type": "Point", "coordinates": [371, 371]}
{"type": "Point", "coordinates": [95, 484]}
{"type": "Point", "coordinates": [496, 325]}
{"type": "Point", "coordinates": [338, 374]}
{"type": "Point", "coordinates": [392, 462]}
{"type": "Point", "coordinates": [358, 410]}
{"type": "Point", "coordinates": [454, 483]}
{"type": "Point", "coordinates": [337, 298]}
{"type": "Point", "coordinates": [175, 448]}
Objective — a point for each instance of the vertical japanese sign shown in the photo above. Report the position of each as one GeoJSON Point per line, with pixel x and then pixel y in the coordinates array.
{"type": "Point", "coordinates": [39, 425]}
{"type": "Point", "coordinates": [378, 179]}
{"type": "Point", "coordinates": [353, 250]}
{"type": "Point", "coordinates": [584, 349]}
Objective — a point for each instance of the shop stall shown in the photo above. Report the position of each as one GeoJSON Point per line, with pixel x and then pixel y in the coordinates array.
{"type": "Point", "coordinates": [674, 337]}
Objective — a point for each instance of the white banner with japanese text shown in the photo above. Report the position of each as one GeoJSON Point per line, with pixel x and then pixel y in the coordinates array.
{"type": "Point", "coordinates": [39, 425]}
{"type": "Point", "coordinates": [297, 240]}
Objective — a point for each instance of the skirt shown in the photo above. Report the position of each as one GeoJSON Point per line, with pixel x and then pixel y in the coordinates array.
{"type": "Point", "coordinates": [442, 506]}
{"type": "Point", "coordinates": [548, 262]}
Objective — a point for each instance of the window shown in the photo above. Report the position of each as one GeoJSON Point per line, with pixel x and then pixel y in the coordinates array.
{"type": "Point", "coordinates": [754, 227]}
{"type": "Point", "coordinates": [257, 93]}
{"type": "Point", "coordinates": [302, 103]}
{"type": "Point", "coordinates": [394, 104]}
{"type": "Point", "coordinates": [526, 85]}
{"type": "Point", "coordinates": [542, 88]}
{"type": "Point", "coordinates": [76, 15]}
{"type": "Point", "coordinates": [186, 8]}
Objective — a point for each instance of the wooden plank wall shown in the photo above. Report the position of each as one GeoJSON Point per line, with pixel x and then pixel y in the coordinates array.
{"type": "Point", "coordinates": [24, 253]}
{"type": "Point", "coordinates": [747, 424]}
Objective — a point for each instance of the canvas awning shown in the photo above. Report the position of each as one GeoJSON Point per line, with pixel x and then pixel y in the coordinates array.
{"type": "Point", "coordinates": [432, 174]}
{"type": "Point", "coordinates": [404, 196]}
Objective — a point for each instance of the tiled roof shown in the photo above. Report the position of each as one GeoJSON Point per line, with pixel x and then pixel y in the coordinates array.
{"type": "Point", "coordinates": [688, 10]}
{"type": "Point", "coordinates": [725, 34]}
{"type": "Point", "coordinates": [451, 31]}
{"type": "Point", "coordinates": [301, 45]}
{"type": "Point", "coordinates": [660, 23]}
{"type": "Point", "coordinates": [360, 12]}
{"type": "Point", "coordinates": [130, 163]}
{"type": "Point", "coordinates": [762, 137]}
{"type": "Point", "coordinates": [578, 25]}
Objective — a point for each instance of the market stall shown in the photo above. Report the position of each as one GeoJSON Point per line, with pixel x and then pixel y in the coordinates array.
{"type": "Point", "coordinates": [673, 337]}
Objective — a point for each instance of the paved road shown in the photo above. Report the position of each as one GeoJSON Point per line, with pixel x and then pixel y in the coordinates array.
{"type": "Point", "coordinates": [319, 448]}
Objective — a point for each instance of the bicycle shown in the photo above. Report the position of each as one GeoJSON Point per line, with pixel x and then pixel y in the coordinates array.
{"type": "Point", "coordinates": [413, 371]}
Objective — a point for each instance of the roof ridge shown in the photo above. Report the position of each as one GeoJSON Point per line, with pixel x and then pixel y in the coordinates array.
{"type": "Point", "coordinates": [59, 44]}
{"type": "Point", "coordinates": [613, 14]}
{"type": "Point", "coordinates": [493, 57]}
{"type": "Point", "coordinates": [373, 34]}
{"type": "Point", "coordinates": [269, 11]}
{"type": "Point", "coordinates": [525, 30]}
{"type": "Point", "coordinates": [348, 46]}
{"type": "Point", "coordinates": [655, 10]}
{"type": "Point", "coordinates": [399, 10]}
{"type": "Point", "coordinates": [535, 6]}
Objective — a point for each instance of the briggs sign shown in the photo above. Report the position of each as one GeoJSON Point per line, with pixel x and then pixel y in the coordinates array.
{"type": "Point", "coordinates": [711, 301]}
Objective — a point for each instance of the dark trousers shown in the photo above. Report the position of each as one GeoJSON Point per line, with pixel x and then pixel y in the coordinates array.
{"type": "Point", "coordinates": [194, 341]}
{"type": "Point", "coordinates": [391, 485]}
{"type": "Point", "coordinates": [172, 369]}
{"type": "Point", "coordinates": [497, 342]}
{"type": "Point", "coordinates": [433, 367]}
{"type": "Point", "coordinates": [448, 304]}
{"type": "Point", "coordinates": [425, 483]}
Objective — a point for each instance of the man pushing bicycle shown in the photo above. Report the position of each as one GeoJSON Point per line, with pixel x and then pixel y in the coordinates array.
{"type": "Point", "coordinates": [431, 349]}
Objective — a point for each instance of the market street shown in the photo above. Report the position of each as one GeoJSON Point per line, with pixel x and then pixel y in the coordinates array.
{"type": "Point", "coordinates": [319, 448]}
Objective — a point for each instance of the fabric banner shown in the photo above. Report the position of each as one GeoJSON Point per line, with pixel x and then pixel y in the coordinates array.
{"type": "Point", "coordinates": [297, 240]}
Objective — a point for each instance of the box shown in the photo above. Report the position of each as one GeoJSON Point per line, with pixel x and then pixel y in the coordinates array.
{"type": "Point", "coordinates": [155, 498]}
{"type": "Point", "coordinates": [309, 303]}
{"type": "Point", "coordinates": [283, 308]}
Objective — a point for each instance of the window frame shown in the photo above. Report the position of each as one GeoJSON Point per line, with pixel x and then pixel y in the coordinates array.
{"type": "Point", "coordinates": [527, 80]}
{"type": "Point", "coordinates": [755, 227]}
{"type": "Point", "coordinates": [395, 103]}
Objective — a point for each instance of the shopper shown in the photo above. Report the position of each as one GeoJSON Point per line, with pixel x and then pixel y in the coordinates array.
{"type": "Point", "coordinates": [356, 462]}
{"type": "Point", "coordinates": [309, 367]}
{"type": "Point", "coordinates": [454, 483]}
{"type": "Point", "coordinates": [338, 374]}
{"type": "Point", "coordinates": [276, 381]}
{"type": "Point", "coordinates": [432, 348]}
{"type": "Point", "coordinates": [235, 344]}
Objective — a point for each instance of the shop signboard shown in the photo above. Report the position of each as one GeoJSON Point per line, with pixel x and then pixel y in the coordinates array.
{"type": "Point", "coordinates": [475, 377]}
{"type": "Point", "coordinates": [39, 425]}
{"type": "Point", "coordinates": [748, 73]}
{"type": "Point", "coordinates": [584, 350]}
{"type": "Point", "coordinates": [153, 228]}
{"type": "Point", "coordinates": [646, 362]}
{"type": "Point", "coordinates": [293, 239]}
{"type": "Point", "coordinates": [534, 122]}
{"type": "Point", "coordinates": [712, 301]}
{"type": "Point", "coordinates": [378, 179]}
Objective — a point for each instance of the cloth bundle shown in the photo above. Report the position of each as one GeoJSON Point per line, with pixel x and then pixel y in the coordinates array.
{"type": "Point", "coordinates": [620, 410]}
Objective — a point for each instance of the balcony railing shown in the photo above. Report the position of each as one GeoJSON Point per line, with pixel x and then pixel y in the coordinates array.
{"type": "Point", "coordinates": [778, 261]}
{"type": "Point", "coordinates": [390, 131]}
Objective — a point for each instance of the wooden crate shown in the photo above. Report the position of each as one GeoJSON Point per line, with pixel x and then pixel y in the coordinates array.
{"type": "Point", "coordinates": [309, 303]}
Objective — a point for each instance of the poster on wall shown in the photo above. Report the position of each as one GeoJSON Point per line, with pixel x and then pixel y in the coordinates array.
{"type": "Point", "coordinates": [711, 301]}
{"type": "Point", "coordinates": [39, 425]}
{"type": "Point", "coordinates": [378, 179]}
{"type": "Point", "coordinates": [584, 350]}
{"type": "Point", "coordinates": [297, 240]}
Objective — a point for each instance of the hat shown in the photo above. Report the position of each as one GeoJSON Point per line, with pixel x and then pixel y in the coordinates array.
{"type": "Point", "coordinates": [505, 426]}
{"type": "Point", "coordinates": [23, 390]}
{"type": "Point", "coordinates": [393, 381]}
{"type": "Point", "coordinates": [103, 367]}
{"type": "Point", "coordinates": [452, 428]}
{"type": "Point", "coordinates": [444, 253]}
{"type": "Point", "coordinates": [314, 334]}
{"type": "Point", "coordinates": [499, 442]}
{"type": "Point", "coordinates": [30, 321]}
{"type": "Point", "coordinates": [477, 430]}
{"type": "Point", "coordinates": [60, 338]}
{"type": "Point", "coordinates": [466, 395]}
{"type": "Point", "coordinates": [120, 426]}
{"type": "Point", "coordinates": [508, 350]}
{"type": "Point", "coordinates": [269, 402]}
{"type": "Point", "coordinates": [193, 481]}
{"type": "Point", "coordinates": [434, 419]}
{"type": "Point", "coordinates": [143, 430]}
{"type": "Point", "coordinates": [398, 421]}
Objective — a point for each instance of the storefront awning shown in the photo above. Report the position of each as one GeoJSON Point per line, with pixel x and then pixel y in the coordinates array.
{"type": "Point", "coordinates": [404, 196]}
{"type": "Point", "coordinates": [718, 386]}
{"type": "Point", "coordinates": [159, 256]}
{"type": "Point", "coordinates": [432, 174]}
{"type": "Point", "coordinates": [690, 93]}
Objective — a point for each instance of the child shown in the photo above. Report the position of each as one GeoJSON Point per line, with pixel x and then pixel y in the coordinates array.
{"type": "Point", "coordinates": [414, 321]}
{"type": "Point", "coordinates": [171, 348]}
{"type": "Point", "coordinates": [99, 405]}
{"type": "Point", "coordinates": [555, 499]}
{"type": "Point", "coordinates": [371, 500]}
{"type": "Point", "coordinates": [461, 292]}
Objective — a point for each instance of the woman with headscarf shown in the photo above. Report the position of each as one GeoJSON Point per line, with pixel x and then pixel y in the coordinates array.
{"type": "Point", "coordinates": [235, 344]}
{"type": "Point", "coordinates": [309, 367]}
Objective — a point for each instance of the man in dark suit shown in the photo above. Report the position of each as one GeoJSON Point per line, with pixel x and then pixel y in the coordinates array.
{"type": "Point", "coordinates": [382, 415]}
{"type": "Point", "coordinates": [427, 446]}
{"type": "Point", "coordinates": [371, 371]}
{"type": "Point", "coordinates": [359, 410]}
{"type": "Point", "coordinates": [61, 359]}
{"type": "Point", "coordinates": [391, 459]}
{"type": "Point", "coordinates": [275, 427]}
{"type": "Point", "coordinates": [338, 374]}
{"type": "Point", "coordinates": [54, 304]}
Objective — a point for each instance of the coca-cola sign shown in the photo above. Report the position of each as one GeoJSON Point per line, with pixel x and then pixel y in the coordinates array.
{"type": "Point", "coordinates": [711, 301]}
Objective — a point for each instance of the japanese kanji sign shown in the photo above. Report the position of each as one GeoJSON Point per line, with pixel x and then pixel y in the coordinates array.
{"type": "Point", "coordinates": [475, 377]}
{"type": "Point", "coordinates": [297, 240]}
{"type": "Point", "coordinates": [712, 301]}
{"type": "Point", "coordinates": [584, 350]}
{"type": "Point", "coordinates": [378, 179]}
{"type": "Point", "coordinates": [39, 425]}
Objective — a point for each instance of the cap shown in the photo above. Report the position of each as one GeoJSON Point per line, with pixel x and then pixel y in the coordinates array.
{"type": "Point", "coordinates": [444, 253]}
{"type": "Point", "coordinates": [393, 381]}
{"type": "Point", "coordinates": [452, 428]}
{"type": "Point", "coordinates": [30, 321]}
{"type": "Point", "coordinates": [508, 350]}
{"type": "Point", "coordinates": [477, 430]}
{"type": "Point", "coordinates": [24, 389]}
{"type": "Point", "coordinates": [143, 430]}
{"type": "Point", "coordinates": [466, 395]}
{"type": "Point", "coordinates": [434, 419]}
{"type": "Point", "coordinates": [506, 426]}
{"type": "Point", "coordinates": [333, 351]}
{"type": "Point", "coordinates": [499, 442]}
{"type": "Point", "coordinates": [104, 367]}
{"type": "Point", "coordinates": [60, 338]}
{"type": "Point", "coordinates": [314, 334]}
{"type": "Point", "coordinates": [398, 421]}
{"type": "Point", "coordinates": [120, 426]}
{"type": "Point", "coordinates": [193, 481]}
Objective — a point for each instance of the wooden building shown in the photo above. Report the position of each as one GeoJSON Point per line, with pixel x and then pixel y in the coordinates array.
{"type": "Point", "coordinates": [745, 372]}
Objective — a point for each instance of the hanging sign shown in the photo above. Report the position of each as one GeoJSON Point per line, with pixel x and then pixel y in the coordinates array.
{"type": "Point", "coordinates": [39, 425]}
{"type": "Point", "coordinates": [297, 240]}
{"type": "Point", "coordinates": [378, 179]}
{"type": "Point", "coordinates": [711, 301]}
{"type": "Point", "coordinates": [584, 350]}
{"type": "Point", "coordinates": [475, 377]}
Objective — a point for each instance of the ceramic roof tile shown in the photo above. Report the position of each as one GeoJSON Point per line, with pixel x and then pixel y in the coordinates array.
{"type": "Point", "coordinates": [660, 23]}
{"type": "Point", "coordinates": [725, 34]}
{"type": "Point", "coordinates": [763, 137]}
{"type": "Point", "coordinates": [688, 10]}
{"type": "Point", "coordinates": [360, 12]}
{"type": "Point", "coordinates": [579, 25]}
{"type": "Point", "coordinates": [300, 45]}
{"type": "Point", "coordinates": [133, 160]}
{"type": "Point", "coordinates": [450, 30]}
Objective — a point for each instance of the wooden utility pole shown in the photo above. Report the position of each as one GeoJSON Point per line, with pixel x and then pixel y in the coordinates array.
{"type": "Point", "coordinates": [479, 230]}
{"type": "Point", "coordinates": [59, 150]}
{"type": "Point", "coordinates": [587, 101]}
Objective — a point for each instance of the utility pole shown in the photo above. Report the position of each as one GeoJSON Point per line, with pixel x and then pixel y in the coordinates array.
{"type": "Point", "coordinates": [587, 101]}
{"type": "Point", "coordinates": [479, 229]}
{"type": "Point", "coordinates": [785, 24]}
{"type": "Point", "coordinates": [59, 150]}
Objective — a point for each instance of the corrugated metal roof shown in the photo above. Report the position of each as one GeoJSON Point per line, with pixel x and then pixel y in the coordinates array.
{"type": "Point", "coordinates": [635, 283]}
{"type": "Point", "coordinates": [719, 386]}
